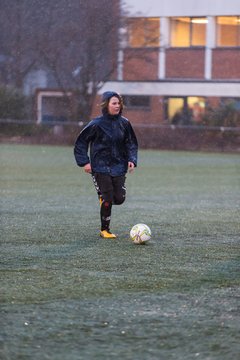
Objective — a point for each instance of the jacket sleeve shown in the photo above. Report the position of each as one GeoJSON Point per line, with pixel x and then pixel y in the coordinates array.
{"type": "Point", "coordinates": [82, 144]}
{"type": "Point", "coordinates": [132, 144]}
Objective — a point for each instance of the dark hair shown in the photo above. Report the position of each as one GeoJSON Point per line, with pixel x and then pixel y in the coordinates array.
{"type": "Point", "coordinates": [106, 98]}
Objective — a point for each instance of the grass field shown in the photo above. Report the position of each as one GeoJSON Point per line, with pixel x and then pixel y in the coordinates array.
{"type": "Point", "coordinates": [67, 294]}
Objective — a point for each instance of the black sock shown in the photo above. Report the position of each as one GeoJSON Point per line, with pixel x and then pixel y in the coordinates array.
{"type": "Point", "coordinates": [105, 213]}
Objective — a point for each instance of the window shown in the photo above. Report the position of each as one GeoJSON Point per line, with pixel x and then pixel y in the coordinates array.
{"type": "Point", "coordinates": [143, 32]}
{"type": "Point", "coordinates": [137, 102]}
{"type": "Point", "coordinates": [234, 103]}
{"type": "Point", "coordinates": [228, 31]}
{"type": "Point", "coordinates": [55, 108]}
{"type": "Point", "coordinates": [187, 31]}
{"type": "Point", "coordinates": [185, 110]}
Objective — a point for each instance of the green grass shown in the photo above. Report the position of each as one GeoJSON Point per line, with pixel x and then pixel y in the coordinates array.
{"type": "Point", "coordinates": [67, 294]}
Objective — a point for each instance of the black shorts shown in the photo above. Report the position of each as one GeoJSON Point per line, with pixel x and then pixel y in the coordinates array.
{"type": "Point", "coordinates": [110, 188]}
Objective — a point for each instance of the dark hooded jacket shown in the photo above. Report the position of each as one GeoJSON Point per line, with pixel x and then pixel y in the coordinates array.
{"type": "Point", "coordinates": [112, 143]}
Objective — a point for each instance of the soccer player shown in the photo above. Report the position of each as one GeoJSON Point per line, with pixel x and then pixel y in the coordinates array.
{"type": "Point", "coordinates": [113, 152]}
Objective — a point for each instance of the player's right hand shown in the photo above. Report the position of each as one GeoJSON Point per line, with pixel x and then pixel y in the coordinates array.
{"type": "Point", "coordinates": [87, 168]}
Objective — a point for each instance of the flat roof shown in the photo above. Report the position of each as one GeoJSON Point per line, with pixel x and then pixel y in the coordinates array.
{"type": "Point", "coordinates": [174, 88]}
{"type": "Point", "coordinates": [158, 8]}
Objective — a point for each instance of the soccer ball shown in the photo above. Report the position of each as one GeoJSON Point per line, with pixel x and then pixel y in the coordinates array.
{"type": "Point", "coordinates": [140, 234]}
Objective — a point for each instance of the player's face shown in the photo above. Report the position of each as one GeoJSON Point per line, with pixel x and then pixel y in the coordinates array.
{"type": "Point", "coordinates": [114, 106]}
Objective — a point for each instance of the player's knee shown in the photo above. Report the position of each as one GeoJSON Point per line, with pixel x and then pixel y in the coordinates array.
{"type": "Point", "coordinates": [118, 200]}
{"type": "Point", "coordinates": [107, 204]}
{"type": "Point", "coordinates": [107, 197]}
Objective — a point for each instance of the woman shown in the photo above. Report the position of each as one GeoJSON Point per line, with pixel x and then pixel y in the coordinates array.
{"type": "Point", "coordinates": [113, 152]}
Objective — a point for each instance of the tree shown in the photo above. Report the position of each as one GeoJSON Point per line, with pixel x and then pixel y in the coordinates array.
{"type": "Point", "coordinates": [17, 35]}
{"type": "Point", "coordinates": [81, 49]}
{"type": "Point", "coordinates": [76, 41]}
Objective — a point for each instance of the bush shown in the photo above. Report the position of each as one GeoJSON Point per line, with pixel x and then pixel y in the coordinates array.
{"type": "Point", "coordinates": [13, 104]}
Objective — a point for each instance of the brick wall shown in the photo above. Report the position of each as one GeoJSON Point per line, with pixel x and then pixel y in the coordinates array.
{"type": "Point", "coordinates": [140, 64]}
{"type": "Point", "coordinates": [152, 116]}
{"type": "Point", "coordinates": [226, 64]}
{"type": "Point", "coordinates": [213, 102]}
{"type": "Point", "coordinates": [185, 63]}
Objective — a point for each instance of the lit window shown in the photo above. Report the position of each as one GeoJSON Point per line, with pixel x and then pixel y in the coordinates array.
{"type": "Point", "coordinates": [143, 32]}
{"type": "Point", "coordinates": [185, 110]}
{"type": "Point", "coordinates": [228, 31]}
{"type": "Point", "coordinates": [187, 31]}
{"type": "Point", "coordinates": [137, 101]}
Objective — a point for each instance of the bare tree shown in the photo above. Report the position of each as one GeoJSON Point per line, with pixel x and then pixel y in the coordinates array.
{"type": "Point", "coordinates": [79, 46]}
{"type": "Point", "coordinates": [76, 41]}
{"type": "Point", "coordinates": [16, 41]}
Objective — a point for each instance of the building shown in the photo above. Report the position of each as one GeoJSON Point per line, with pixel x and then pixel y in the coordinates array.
{"type": "Point", "coordinates": [177, 58]}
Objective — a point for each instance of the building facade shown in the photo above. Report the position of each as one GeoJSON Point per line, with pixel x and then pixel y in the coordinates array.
{"type": "Point", "coordinates": [177, 59]}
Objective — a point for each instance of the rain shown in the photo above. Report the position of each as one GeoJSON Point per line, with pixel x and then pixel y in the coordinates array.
{"type": "Point", "coordinates": [65, 292]}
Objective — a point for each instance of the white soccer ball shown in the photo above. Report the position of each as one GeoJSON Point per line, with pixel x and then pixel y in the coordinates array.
{"type": "Point", "coordinates": [140, 234]}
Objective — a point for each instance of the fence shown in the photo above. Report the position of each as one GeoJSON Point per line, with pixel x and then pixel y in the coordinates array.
{"type": "Point", "coordinates": [168, 137]}
{"type": "Point", "coordinates": [174, 137]}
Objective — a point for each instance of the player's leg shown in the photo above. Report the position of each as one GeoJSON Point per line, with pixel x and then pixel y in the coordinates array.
{"type": "Point", "coordinates": [119, 189]}
{"type": "Point", "coordinates": [97, 187]}
{"type": "Point", "coordinates": [104, 187]}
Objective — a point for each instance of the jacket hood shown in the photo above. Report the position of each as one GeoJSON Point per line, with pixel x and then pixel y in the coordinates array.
{"type": "Point", "coordinates": [108, 95]}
